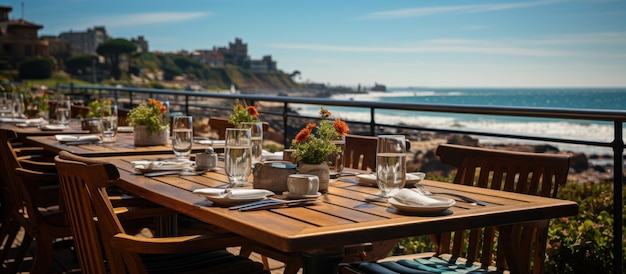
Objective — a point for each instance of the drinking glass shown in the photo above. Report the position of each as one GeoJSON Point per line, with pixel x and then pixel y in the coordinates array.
{"type": "Point", "coordinates": [108, 123]}
{"type": "Point", "coordinates": [390, 164]}
{"type": "Point", "coordinates": [5, 109]}
{"type": "Point", "coordinates": [182, 136]}
{"type": "Point", "coordinates": [256, 134]}
{"type": "Point", "coordinates": [18, 105]}
{"type": "Point", "coordinates": [335, 160]}
{"type": "Point", "coordinates": [62, 110]}
{"type": "Point", "coordinates": [238, 160]}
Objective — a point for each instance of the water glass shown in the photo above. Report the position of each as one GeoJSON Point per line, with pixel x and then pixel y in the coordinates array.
{"type": "Point", "coordinates": [256, 133]}
{"type": "Point", "coordinates": [18, 105]}
{"type": "Point", "coordinates": [335, 160]}
{"type": "Point", "coordinates": [238, 155]}
{"type": "Point", "coordinates": [390, 164]}
{"type": "Point", "coordinates": [62, 110]}
{"type": "Point", "coordinates": [182, 136]}
{"type": "Point", "coordinates": [108, 123]}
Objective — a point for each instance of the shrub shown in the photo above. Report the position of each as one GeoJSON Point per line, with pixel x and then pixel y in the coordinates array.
{"type": "Point", "coordinates": [35, 68]}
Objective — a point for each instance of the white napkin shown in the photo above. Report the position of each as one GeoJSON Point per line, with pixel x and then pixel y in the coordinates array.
{"type": "Point", "coordinates": [54, 127]}
{"type": "Point", "coordinates": [412, 198]}
{"type": "Point", "coordinates": [32, 122]}
{"type": "Point", "coordinates": [12, 120]}
{"type": "Point", "coordinates": [212, 142]}
{"type": "Point", "coordinates": [74, 138]}
{"type": "Point", "coordinates": [145, 165]}
{"type": "Point", "coordinates": [272, 156]}
{"type": "Point", "coordinates": [234, 193]}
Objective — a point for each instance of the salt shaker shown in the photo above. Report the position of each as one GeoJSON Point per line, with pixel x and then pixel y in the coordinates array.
{"type": "Point", "coordinates": [207, 159]}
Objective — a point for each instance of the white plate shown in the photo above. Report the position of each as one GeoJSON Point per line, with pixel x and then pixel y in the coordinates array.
{"type": "Point", "coordinates": [423, 209]}
{"type": "Point", "coordinates": [125, 129]}
{"type": "Point", "coordinates": [370, 179]}
{"type": "Point", "coordinates": [298, 196]}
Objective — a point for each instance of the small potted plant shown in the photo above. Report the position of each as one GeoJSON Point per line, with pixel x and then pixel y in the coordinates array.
{"type": "Point", "coordinates": [314, 143]}
{"type": "Point", "coordinates": [243, 114]}
{"type": "Point", "coordinates": [150, 122]}
{"type": "Point", "coordinates": [91, 121]}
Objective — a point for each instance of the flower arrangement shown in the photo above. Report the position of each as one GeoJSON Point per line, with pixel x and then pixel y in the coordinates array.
{"type": "Point", "coordinates": [243, 113]}
{"type": "Point", "coordinates": [314, 143]}
{"type": "Point", "coordinates": [151, 113]}
{"type": "Point", "coordinates": [95, 105]}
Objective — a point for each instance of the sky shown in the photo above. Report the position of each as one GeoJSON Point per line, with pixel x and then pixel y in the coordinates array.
{"type": "Point", "coordinates": [399, 43]}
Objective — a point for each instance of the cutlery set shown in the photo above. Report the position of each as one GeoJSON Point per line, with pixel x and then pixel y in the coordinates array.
{"type": "Point", "coordinates": [271, 203]}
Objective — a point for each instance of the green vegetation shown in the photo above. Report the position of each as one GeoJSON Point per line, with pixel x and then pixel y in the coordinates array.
{"type": "Point", "coordinates": [112, 50]}
{"type": "Point", "coordinates": [36, 68]}
{"type": "Point", "coordinates": [578, 244]}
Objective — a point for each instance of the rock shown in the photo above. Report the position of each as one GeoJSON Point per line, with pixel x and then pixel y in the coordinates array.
{"type": "Point", "coordinates": [579, 162]}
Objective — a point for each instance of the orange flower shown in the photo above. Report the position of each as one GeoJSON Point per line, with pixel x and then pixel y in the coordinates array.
{"type": "Point", "coordinates": [341, 127]}
{"type": "Point", "coordinates": [310, 126]}
{"type": "Point", "coordinates": [253, 111]}
{"type": "Point", "coordinates": [303, 135]}
{"type": "Point", "coordinates": [239, 107]}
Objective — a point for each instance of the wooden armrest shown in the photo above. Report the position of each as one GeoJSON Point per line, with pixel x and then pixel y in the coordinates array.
{"type": "Point", "coordinates": [180, 244]}
{"type": "Point", "coordinates": [133, 213]}
{"type": "Point", "coordinates": [41, 166]}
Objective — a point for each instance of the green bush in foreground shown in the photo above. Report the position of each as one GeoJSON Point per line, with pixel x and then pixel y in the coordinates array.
{"type": "Point", "coordinates": [576, 244]}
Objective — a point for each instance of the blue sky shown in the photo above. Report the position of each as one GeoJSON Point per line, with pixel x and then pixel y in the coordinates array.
{"type": "Point", "coordinates": [427, 43]}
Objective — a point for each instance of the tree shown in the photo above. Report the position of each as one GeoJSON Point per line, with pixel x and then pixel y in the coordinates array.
{"type": "Point", "coordinates": [35, 68]}
{"type": "Point", "coordinates": [112, 50]}
{"type": "Point", "coordinates": [79, 64]}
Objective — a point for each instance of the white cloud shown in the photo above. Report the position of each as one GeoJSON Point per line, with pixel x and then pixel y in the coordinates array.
{"type": "Point", "coordinates": [425, 11]}
{"type": "Point", "coordinates": [135, 19]}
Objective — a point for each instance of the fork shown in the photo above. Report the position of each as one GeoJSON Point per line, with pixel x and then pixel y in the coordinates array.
{"type": "Point", "coordinates": [422, 190]}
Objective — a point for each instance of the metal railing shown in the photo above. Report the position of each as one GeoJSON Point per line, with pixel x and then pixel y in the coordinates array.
{"type": "Point", "coordinates": [189, 100]}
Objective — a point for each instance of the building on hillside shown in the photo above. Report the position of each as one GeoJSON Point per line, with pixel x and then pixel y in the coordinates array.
{"type": "Point", "coordinates": [265, 65]}
{"type": "Point", "coordinates": [142, 44]}
{"type": "Point", "coordinates": [58, 49]}
{"type": "Point", "coordinates": [85, 42]}
{"type": "Point", "coordinates": [18, 40]}
{"type": "Point", "coordinates": [211, 57]}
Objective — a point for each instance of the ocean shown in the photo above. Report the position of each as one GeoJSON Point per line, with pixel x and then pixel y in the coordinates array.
{"type": "Point", "coordinates": [570, 98]}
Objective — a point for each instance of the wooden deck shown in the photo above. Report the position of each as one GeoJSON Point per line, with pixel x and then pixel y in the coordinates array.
{"type": "Point", "coordinates": [65, 262]}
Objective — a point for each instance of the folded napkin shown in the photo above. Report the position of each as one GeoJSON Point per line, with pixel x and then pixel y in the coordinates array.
{"type": "Point", "coordinates": [212, 142]}
{"type": "Point", "coordinates": [32, 122]}
{"type": "Point", "coordinates": [237, 193]}
{"type": "Point", "coordinates": [54, 127]}
{"type": "Point", "coordinates": [12, 120]}
{"type": "Point", "coordinates": [272, 156]}
{"type": "Point", "coordinates": [412, 198]}
{"type": "Point", "coordinates": [76, 138]}
{"type": "Point", "coordinates": [147, 165]}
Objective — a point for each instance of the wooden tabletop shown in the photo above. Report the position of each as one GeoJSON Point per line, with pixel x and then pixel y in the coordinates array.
{"type": "Point", "coordinates": [123, 146]}
{"type": "Point", "coordinates": [24, 132]}
{"type": "Point", "coordinates": [340, 217]}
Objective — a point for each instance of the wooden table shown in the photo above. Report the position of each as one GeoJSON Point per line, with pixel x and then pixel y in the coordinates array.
{"type": "Point", "coordinates": [340, 217]}
{"type": "Point", "coordinates": [123, 146]}
{"type": "Point", "coordinates": [24, 132]}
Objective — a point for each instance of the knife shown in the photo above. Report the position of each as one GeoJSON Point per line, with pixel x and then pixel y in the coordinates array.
{"type": "Point", "coordinates": [173, 172]}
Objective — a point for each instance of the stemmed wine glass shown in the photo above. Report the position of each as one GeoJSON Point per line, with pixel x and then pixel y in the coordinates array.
{"type": "Point", "coordinates": [390, 164]}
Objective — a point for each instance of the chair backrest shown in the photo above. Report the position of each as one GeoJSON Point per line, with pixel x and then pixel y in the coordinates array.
{"type": "Point", "coordinates": [83, 182]}
{"type": "Point", "coordinates": [360, 152]}
{"type": "Point", "coordinates": [219, 125]}
{"type": "Point", "coordinates": [521, 172]}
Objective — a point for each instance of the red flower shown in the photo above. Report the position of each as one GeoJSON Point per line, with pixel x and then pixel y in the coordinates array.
{"type": "Point", "coordinates": [341, 127]}
{"type": "Point", "coordinates": [253, 111]}
{"type": "Point", "coordinates": [310, 126]}
{"type": "Point", "coordinates": [303, 135]}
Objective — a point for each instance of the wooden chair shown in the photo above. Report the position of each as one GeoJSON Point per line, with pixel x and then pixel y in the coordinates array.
{"type": "Point", "coordinates": [529, 173]}
{"type": "Point", "coordinates": [360, 152]}
{"type": "Point", "coordinates": [219, 126]}
{"type": "Point", "coordinates": [32, 204]}
{"type": "Point", "coordinates": [99, 235]}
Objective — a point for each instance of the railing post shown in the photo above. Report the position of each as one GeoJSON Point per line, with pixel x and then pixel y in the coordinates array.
{"type": "Point", "coordinates": [372, 122]}
{"type": "Point", "coordinates": [285, 117]}
{"type": "Point", "coordinates": [618, 185]}
{"type": "Point", "coordinates": [186, 104]}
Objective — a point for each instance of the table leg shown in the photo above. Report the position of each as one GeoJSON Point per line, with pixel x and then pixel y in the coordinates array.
{"type": "Point", "coordinates": [321, 261]}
